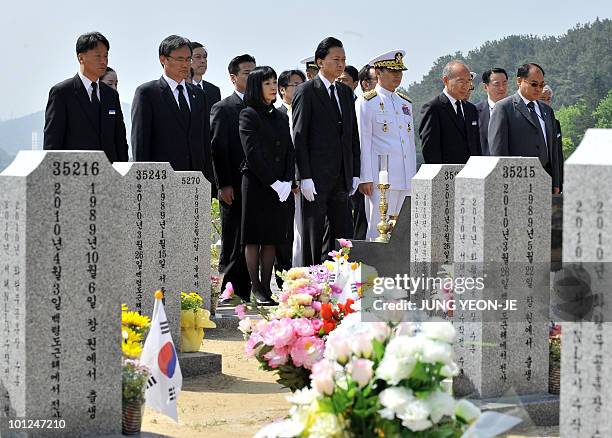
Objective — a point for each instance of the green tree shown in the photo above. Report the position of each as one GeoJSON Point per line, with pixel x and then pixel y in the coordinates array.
{"type": "Point", "coordinates": [574, 120]}
{"type": "Point", "coordinates": [603, 113]}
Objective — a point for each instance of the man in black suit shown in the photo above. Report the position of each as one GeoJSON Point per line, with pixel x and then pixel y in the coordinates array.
{"type": "Point", "coordinates": [449, 123]}
{"type": "Point", "coordinates": [83, 112]}
{"type": "Point", "coordinates": [199, 64]}
{"type": "Point", "coordinates": [170, 120]}
{"type": "Point", "coordinates": [327, 150]}
{"type": "Point", "coordinates": [523, 126]}
{"type": "Point", "coordinates": [495, 83]}
{"type": "Point", "coordinates": [547, 95]}
{"type": "Point", "coordinates": [228, 156]}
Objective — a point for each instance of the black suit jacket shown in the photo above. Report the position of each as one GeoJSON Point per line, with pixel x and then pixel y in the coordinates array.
{"type": "Point", "coordinates": [213, 94]}
{"type": "Point", "coordinates": [445, 140]}
{"type": "Point", "coordinates": [322, 150]}
{"type": "Point", "coordinates": [512, 133]}
{"type": "Point", "coordinates": [159, 132]}
{"type": "Point", "coordinates": [283, 109]}
{"type": "Point", "coordinates": [227, 152]}
{"type": "Point", "coordinates": [267, 144]}
{"type": "Point", "coordinates": [70, 121]}
{"type": "Point", "coordinates": [484, 114]}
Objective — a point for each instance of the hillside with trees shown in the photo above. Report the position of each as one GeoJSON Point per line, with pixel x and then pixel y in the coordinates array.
{"type": "Point", "coordinates": [578, 66]}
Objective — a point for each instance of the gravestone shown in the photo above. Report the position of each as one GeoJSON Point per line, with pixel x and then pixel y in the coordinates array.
{"type": "Point", "coordinates": [432, 222]}
{"type": "Point", "coordinates": [586, 362]}
{"type": "Point", "coordinates": [151, 252]}
{"type": "Point", "coordinates": [502, 242]}
{"type": "Point", "coordinates": [194, 234]}
{"type": "Point", "coordinates": [61, 307]}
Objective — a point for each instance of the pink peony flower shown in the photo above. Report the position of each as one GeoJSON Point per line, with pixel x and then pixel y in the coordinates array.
{"type": "Point", "coordinates": [316, 324]}
{"type": "Point", "coordinates": [345, 243]}
{"type": "Point", "coordinates": [249, 347]}
{"type": "Point", "coordinates": [302, 327]}
{"type": "Point", "coordinates": [306, 351]}
{"type": "Point", "coordinates": [334, 254]}
{"type": "Point", "coordinates": [316, 305]}
{"type": "Point", "coordinates": [240, 311]}
{"type": "Point", "coordinates": [278, 332]}
{"type": "Point", "coordinates": [277, 357]}
{"type": "Point", "coordinates": [361, 371]}
{"type": "Point", "coordinates": [228, 292]}
{"type": "Point", "coordinates": [322, 377]}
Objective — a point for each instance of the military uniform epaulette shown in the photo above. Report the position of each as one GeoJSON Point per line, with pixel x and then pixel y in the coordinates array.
{"type": "Point", "coordinates": [369, 95]}
{"type": "Point", "coordinates": [403, 96]}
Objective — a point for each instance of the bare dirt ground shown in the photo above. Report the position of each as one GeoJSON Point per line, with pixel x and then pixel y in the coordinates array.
{"type": "Point", "coordinates": [240, 401]}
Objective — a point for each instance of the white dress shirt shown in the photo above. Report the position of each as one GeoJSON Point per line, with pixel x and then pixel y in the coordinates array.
{"type": "Point", "coordinates": [539, 114]}
{"type": "Point", "coordinates": [327, 85]}
{"type": "Point", "coordinates": [87, 83]}
{"type": "Point", "coordinates": [200, 84]}
{"type": "Point", "coordinates": [491, 105]}
{"type": "Point", "coordinates": [174, 88]}
{"type": "Point", "coordinates": [240, 95]}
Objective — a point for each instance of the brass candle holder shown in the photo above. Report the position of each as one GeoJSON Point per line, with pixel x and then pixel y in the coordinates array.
{"type": "Point", "coordinates": [383, 226]}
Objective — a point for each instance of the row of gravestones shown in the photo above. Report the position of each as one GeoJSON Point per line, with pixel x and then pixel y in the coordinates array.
{"type": "Point", "coordinates": [491, 218]}
{"type": "Point", "coordinates": [79, 237]}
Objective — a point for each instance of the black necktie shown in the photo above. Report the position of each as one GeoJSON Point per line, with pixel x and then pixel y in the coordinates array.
{"type": "Point", "coordinates": [542, 152]}
{"type": "Point", "coordinates": [334, 101]}
{"type": "Point", "coordinates": [201, 86]}
{"type": "Point", "coordinates": [95, 102]}
{"type": "Point", "coordinates": [183, 107]}
{"type": "Point", "coordinates": [459, 111]}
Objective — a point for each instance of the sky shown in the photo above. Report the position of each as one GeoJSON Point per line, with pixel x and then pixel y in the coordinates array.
{"type": "Point", "coordinates": [40, 35]}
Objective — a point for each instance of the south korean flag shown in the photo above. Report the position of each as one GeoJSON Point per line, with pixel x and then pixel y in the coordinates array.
{"type": "Point", "coordinates": [159, 355]}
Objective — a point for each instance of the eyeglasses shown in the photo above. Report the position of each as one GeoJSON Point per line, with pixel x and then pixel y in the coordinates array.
{"type": "Point", "coordinates": [294, 84]}
{"type": "Point", "coordinates": [534, 84]}
{"type": "Point", "coordinates": [180, 59]}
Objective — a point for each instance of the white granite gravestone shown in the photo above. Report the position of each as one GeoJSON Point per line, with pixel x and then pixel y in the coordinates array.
{"type": "Point", "coordinates": [586, 362]}
{"type": "Point", "coordinates": [194, 234]}
{"type": "Point", "coordinates": [61, 307]}
{"type": "Point", "coordinates": [502, 236]}
{"type": "Point", "coordinates": [432, 222]}
{"type": "Point", "coordinates": [152, 253]}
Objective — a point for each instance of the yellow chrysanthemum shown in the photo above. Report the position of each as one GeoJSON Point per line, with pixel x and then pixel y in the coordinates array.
{"type": "Point", "coordinates": [135, 319]}
{"type": "Point", "coordinates": [124, 307]}
{"type": "Point", "coordinates": [130, 335]}
{"type": "Point", "coordinates": [295, 273]}
{"type": "Point", "coordinates": [131, 349]}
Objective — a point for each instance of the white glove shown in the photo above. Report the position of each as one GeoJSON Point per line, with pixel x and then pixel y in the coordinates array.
{"type": "Point", "coordinates": [308, 189]}
{"type": "Point", "coordinates": [283, 189]}
{"type": "Point", "coordinates": [355, 185]}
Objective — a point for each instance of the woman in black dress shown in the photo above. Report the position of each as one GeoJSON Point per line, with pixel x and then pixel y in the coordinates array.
{"type": "Point", "coordinates": [268, 170]}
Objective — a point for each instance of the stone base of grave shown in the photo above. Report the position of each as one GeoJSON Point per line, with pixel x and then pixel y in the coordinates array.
{"type": "Point", "coordinates": [199, 364]}
{"type": "Point", "coordinates": [538, 409]}
{"type": "Point", "coordinates": [225, 322]}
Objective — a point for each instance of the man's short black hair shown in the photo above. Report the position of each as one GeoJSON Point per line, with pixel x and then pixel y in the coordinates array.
{"type": "Point", "coordinates": [285, 77]}
{"type": "Point", "coordinates": [324, 47]}
{"type": "Point", "coordinates": [253, 96]}
{"type": "Point", "coordinates": [486, 76]}
{"type": "Point", "coordinates": [195, 45]}
{"type": "Point", "coordinates": [364, 74]}
{"type": "Point", "coordinates": [523, 70]}
{"type": "Point", "coordinates": [352, 72]}
{"type": "Point", "coordinates": [234, 66]}
{"type": "Point", "coordinates": [172, 43]}
{"type": "Point", "coordinates": [89, 41]}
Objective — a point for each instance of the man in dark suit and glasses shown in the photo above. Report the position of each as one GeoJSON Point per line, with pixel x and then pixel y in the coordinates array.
{"type": "Point", "coordinates": [228, 156]}
{"type": "Point", "coordinates": [170, 120]}
{"type": "Point", "coordinates": [449, 123]}
{"type": "Point", "coordinates": [523, 126]}
{"type": "Point", "coordinates": [83, 112]}
{"type": "Point", "coordinates": [327, 150]}
{"type": "Point", "coordinates": [495, 83]}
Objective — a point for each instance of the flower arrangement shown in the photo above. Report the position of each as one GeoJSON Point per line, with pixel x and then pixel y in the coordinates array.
{"type": "Point", "coordinates": [134, 327]}
{"type": "Point", "coordinates": [291, 338]}
{"type": "Point", "coordinates": [380, 380]}
{"type": "Point", "coordinates": [194, 319]}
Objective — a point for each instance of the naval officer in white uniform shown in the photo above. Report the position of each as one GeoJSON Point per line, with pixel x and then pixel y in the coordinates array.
{"type": "Point", "coordinates": [386, 128]}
